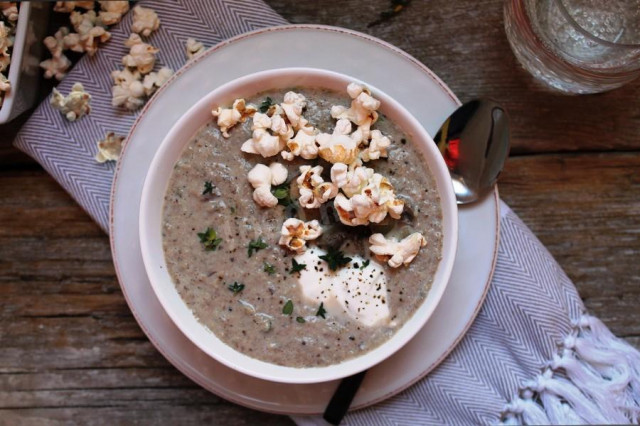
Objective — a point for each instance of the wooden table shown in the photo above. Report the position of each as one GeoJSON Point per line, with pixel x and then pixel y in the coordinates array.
{"type": "Point", "coordinates": [70, 350]}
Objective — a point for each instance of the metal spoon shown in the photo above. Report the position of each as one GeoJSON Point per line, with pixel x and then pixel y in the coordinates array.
{"type": "Point", "coordinates": [474, 142]}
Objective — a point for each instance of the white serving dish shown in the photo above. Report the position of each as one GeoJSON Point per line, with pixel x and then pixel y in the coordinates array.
{"type": "Point", "coordinates": [24, 71]}
{"type": "Point", "coordinates": [151, 216]}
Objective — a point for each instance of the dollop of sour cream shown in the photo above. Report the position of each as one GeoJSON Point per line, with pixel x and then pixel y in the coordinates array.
{"type": "Point", "coordinates": [359, 293]}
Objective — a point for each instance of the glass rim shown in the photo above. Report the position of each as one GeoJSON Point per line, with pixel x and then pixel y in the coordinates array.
{"type": "Point", "coordinates": [589, 35]}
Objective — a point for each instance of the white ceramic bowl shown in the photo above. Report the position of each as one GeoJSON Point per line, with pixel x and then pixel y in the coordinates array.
{"type": "Point", "coordinates": [151, 218]}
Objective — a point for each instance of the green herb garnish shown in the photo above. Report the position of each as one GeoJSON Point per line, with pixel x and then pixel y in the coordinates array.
{"type": "Point", "coordinates": [281, 192]}
{"type": "Point", "coordinates": [235, 287]}
{"type": "Point", "coordinates": [265, 105]}
{"type": "Point", "coordinates": [269, 268]}
{"type": "Point", "coordinates": [210, 239]}
{"type": "Point", "coordinates": [321, 311]}
{"type": "Point", "coordinates": [208, 188]}
{"type": "Point", "coordinates": [288, 308]}
{"type": "Point", "coordinates": [365, 264]}
{"type": "Point", "coordinates": [296, 267]}
{"type": "Point", "coordinates": [256, 245]}
{"type": "Point", "coordinates": [301, 320]}
{"type": "Point", "coordinates": [335, 259]}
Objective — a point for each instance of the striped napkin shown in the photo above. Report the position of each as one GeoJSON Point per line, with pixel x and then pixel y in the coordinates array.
{"type": "Point", "coordinates": [532, 355]}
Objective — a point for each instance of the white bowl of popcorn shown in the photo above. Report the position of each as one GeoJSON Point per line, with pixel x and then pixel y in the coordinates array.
{"type": "Point", "coordinates": [353, 148]}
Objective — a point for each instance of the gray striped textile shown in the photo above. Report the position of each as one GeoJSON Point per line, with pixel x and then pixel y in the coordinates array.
{"type": "Point", "coordinates": [529, 309]}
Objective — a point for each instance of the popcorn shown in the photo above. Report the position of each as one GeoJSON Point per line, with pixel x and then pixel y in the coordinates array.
{"type": "Point", "coordinates": [145, 21]}
{"type": "Point", "coordinates": [377, 147]}
{"type": "Point", "coordinates": [10, 11]}
{"type": "Point", "coordinates": [112, 11]}
{"type": "Point", "coordinates": [56, 43]}
{"type": "Point", "coordinates": [193, 48]}
{"type": "Point", "coordinates": [295, 233]}
{"type": "Point", "coordinates": [109, 148]}
{"type": "Point", "coordinates": [262, 142]}
{"type": "Point", "coordinates": [83, 22]}
{"type": "Point", "coordinates": [280, 127]}
{"type": "Point", "coordinates": [55, 67]}
{"type": "Point", "coordinates": [154, 80]}
{"type": "Point", "coordinates": [302, 145]}
{"type": "Point", "coordinates": [313, 189]}
{"type": "Point", "coordinates": [229, 117]}
{"type": "Point", "coordinates": [89, 33]}
{"type": "Point", "coordinates": [362, 111]}
{"type": "Point", "coordinates": [292, 105]}
{"type": "Point", "coordinates": [368, 196]}
{"type": "Point", "coordinates": [74, 105]}
{"type": "Point", "coordinates": [339, 147]}
{"type": "Point", "coordinates": [5, 43]}
{"type": "Point", "coordinates": [128, 90]}
{"type": "Point", "coordinates": [142, 56]}
{"type": "Point", "coordinates": [68, 6]}
{"type": "Point", "coordinates": [395, 252]}
{"type": "Point", "coordinates": [5, 85]}
{"type": "Point", "coordinates": [261, 178]}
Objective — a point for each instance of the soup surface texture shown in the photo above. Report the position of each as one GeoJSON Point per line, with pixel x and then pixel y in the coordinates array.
{"type": "Point", "coordinates": [251, 298]}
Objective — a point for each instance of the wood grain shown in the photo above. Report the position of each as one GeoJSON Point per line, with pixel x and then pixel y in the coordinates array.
{"type": "Point", "coordinates": [72, 353]}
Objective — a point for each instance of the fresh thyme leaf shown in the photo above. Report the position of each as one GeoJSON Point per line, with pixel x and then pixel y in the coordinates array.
{"type": "Point", "coordinates": [281, 192]}
{"type": "Point", "coordinates": [266, 104]}
{"type": "Point", "coordinates": [210, 239]}
{"type": "Point", "coordinates": [235, 287]}
{"type": "Point", "coordinates": [335, 259]}
{"type": "Point", "coordinates": [208, 188]}
{"type": "Point", "coordinates": [321, 311]}
{"type": "Point", "coordinates": [256, 245]}
{"type": "Point", "coordinates": [269, 268]}
{"type": "Point", "coordinates": [297, 267]}
{"type": "Point", "coordinates": [288, 308]}
{"type": "Point", "coordinates": [365, 264]}
{"type": "Point", "coordinates": [301, 320]}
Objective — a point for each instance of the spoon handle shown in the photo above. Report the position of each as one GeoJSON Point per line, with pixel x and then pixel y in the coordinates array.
{"type": "Point", "coordinates": [341, 399]}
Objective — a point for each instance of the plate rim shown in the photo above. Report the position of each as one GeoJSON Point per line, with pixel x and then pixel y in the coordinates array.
{"type": "Point", "coordinates": [185, 369]}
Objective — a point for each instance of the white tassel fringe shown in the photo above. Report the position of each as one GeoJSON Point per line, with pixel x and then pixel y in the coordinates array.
{"type": "Point", "coordinates": [594, 379]}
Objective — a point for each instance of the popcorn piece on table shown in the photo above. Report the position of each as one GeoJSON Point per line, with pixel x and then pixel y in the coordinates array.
{"type": "Point", "coordinates": [154, 80]}
{"type": "Point", "coordinates": [229, 117]}
{"type": "Point", "coordinates": [377, 147]}
{"type": "Point", "coordinates": [56, 43]}
{"type": "Point", "coordinates": [5, 43]}
{"type": "Point", "coordinates": [109, 148]}
{"type": "Point", "coordinates": [112, 11]}
{"type": "Point", "coordinates": [341, 146]}
{"type": "Point", "coordinates": [145, 21]}
{"type": "Point", "coordinates": [362, 111]}
{"type": "Point", "coordinates": [128, 90]}
{"type": "Point", "coordinates": [395, 252]}
{"type": "Point", "coordinates": [55, 67]}
{"type": "Point", "coordinates": [314, 191]}
{"type": "Point", "coordinates": [69, 6]}
{"type": "Point", "coordinates": [5, 85]}
{"type": "Point", "coordinates": [295, 233]}
{"type": "Point", "coordinates": [75, 105]}
{"type": "Point", "coordinates": [142, 56]}
{"type": "Point", "coordinates": [368, 196]}
{"type": "Point", "coordinates": [10, 11]}
{"type": "Point", "coordinates": [261, 178]}
{"type": "Point", "coordinates": [193, 48]}
{"type": "Point", "coordinates": [88, 33]}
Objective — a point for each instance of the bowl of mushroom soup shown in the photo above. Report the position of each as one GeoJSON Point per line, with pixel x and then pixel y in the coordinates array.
{"type": "Point", "coordinates": [298, 225]}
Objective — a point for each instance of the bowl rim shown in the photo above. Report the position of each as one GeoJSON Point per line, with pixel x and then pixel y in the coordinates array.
{"type": "Point", "coordinates": [239, 359]}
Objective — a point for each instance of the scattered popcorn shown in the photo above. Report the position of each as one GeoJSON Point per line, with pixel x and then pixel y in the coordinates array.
{"type": "Point", "coordinates": [5, 43]}
{"type": "Point", "coordinates": [112, 11]}
{"type": "Point", "coordinates": [302, 145]}
{"type": "Point", "coordinates": [261, 178]}
{"type": "Point", "coordinates": [395, 252]}
{"type": "Point", "coordinates": [295, 233]}
{"type": "Point", "coordinates": [83, 22]}
{"type": "Point", "coordinates": [75, 105]}
{"type": "Point", "coordinates": [10, 11]}
{"type": "Point", "coordinates": [154, 80]}
{"type": "Point", "coordinates": [362, 111]}
{"type": "Point", "coordinates": [128, 90]}
{"type": "Point", "coordinates": [142, 56]}
{"type": "Point", "coordinates": [262, 142]}
{"type": "Point", "coordinates": [5, 86]}
{"type": "Point", "coordinates": [68, 6]}
{"type": "Point", "coordinates": [229, 117]}
{"type": "Point", "coordinates": [145, 21]}
{"type": "Point", "coordinates": [292, 105]}
{"type": "Point", "coordinates": [313, 189]}
{"type": "Point", "coordinates": [55, 67]}
{"type": "Point", "coordinates": [339, 147]}
{"type": "Point", "coordinates": [368, 196]}
{"type": "Point", "coordinates": [109, 148]}
{"type": "Point", "coordinates": [377, 147]}
{"type": "Point", "coordinates": [193, 48]}
{"type": "Point", "coordinates": [88, 33]}
{"type": "Point", "coordinates": [56, 43]}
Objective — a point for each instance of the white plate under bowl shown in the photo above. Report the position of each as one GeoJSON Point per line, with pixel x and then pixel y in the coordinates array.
{"type": "Point", "coordinates": [371, 60]}
{"type": "Point", "coordinates": [157, 181]}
